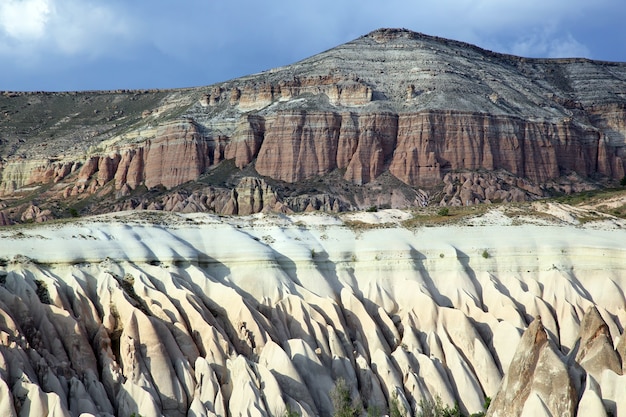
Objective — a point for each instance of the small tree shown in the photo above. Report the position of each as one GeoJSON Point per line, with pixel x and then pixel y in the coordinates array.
{"type": "Point", "coordinates": [394, 406]}
{"type": "Point", "coordinates": [342, 400]}
{"type": "Point", "coordinates": [436, 408]}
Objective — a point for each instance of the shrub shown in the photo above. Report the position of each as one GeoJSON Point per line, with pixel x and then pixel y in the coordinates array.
{"type": "Point", "coordinates": [436, 408]}
{"type": "Point", "coordinates": [343, 403]}
{"type": "Point", "coordinates": [444, 211]}
{"type": "Point", "coordinates": [623, 181]}
{"type": "Point", "coordinates": [374, 411]}
{"type": "Point", "coordinates": [485, 254]}
{"type": "Point", "coordinates": [372, 209]}
{"type": "Point", "coordinates": [42, 292]}
{"type": "Point", "coordinates": [394, 406]}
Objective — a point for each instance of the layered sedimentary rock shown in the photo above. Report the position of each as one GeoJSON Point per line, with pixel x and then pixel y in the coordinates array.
{"type": "Point", "coordinates": [180, 315]}
{"type": "Point", "coordinates": [391, 103]}
{"type": "Point", "coordinates": [299, 145]}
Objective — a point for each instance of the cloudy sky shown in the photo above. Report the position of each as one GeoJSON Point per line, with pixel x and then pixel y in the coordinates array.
{"type": "Point", "coordinates": [58, 45]}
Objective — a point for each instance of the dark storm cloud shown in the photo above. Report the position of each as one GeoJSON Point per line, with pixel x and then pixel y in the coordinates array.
{"type": "Point", "coordinates": [90, 44]}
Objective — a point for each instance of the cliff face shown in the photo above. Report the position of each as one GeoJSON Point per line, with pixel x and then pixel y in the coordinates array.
{"type": "Point", "coordinates": [391, 103]}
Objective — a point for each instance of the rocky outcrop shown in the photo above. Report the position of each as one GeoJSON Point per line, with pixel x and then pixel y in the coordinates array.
{"type": "Point", "coordinates": [595, 351]}
{"type": "Point", "coordinates": [251, 195]}
{"type": "Point", "coordinates": [541, 381]}
{"type": "Point", "coordinates": [4, 219]}
{"type": "Point", "coordinates": [178, 154]}
{"type": "Point", "coordinates": [35, 214]}
{"type": "Point", "coordinates": [19, 173]}
{"type": "Point", "coordinates": [467, 188]}
{"type": "Point", "coordinates": [340, 90]}
{"type": "Point", "coordinates": [162, 314]}
{"type": "Point", "coordinates": [538, 380]}
{"type": "Point", "coordinates": [246, 141]}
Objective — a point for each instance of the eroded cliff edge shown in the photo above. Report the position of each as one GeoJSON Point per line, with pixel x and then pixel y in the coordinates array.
{"type": "Point", "coordinates": [194, 315]}
{"type": "Point", "coordinates": [392, 119]}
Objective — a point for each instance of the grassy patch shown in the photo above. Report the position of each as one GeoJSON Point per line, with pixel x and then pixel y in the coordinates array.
{"type": "Point", "coordinates": [442, 216]}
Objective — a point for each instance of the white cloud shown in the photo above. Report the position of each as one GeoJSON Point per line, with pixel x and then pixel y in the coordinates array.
{"type": "Point", "coordinates": [24, 19]}
{"type": "Point", "coordinates": [30, 29]}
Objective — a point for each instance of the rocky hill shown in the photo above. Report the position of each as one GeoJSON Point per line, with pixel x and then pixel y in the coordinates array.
{"type": "Point", "coordinates": [392, 119]}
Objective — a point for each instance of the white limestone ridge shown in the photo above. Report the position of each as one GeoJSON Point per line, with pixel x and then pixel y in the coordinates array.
{"type": "Point", "coordinates": [201, 315]}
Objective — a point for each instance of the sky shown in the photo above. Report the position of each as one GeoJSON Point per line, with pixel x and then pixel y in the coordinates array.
{"type": "Point", "coordinates": [69, 45]}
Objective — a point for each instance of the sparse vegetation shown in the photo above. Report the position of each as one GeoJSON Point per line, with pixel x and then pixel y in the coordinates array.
{"type": "Point", "coordinates": [431, 216]}
{"type": "Point", "coordinates": [374, 411]}
{"type": "Point", "coordinates": [372, 209]}
{"type": "Point", "coordinates": [436, 408]}
{"type": "Point", "coordinates": [343, 403]}
{"type": "Point", "coordinates": [289, 412]}
{"type": "Point", "coordinates": [486, 405]}
{"type": "Point", "coordinates": [485, 254]}
{"type": "Point", "coordinates": [394, 406]}
{"type": "Point", "coordinates": [42, 292]}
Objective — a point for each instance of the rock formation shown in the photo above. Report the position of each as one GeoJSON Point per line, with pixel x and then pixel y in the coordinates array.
{"type": "Point", "coordinates": [192, 314]}
{"type": "Point", "coordinates": [393, 103]}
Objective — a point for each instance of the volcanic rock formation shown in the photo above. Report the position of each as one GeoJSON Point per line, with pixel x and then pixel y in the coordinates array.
{"type": "Point", "coordinates": [197, 315]}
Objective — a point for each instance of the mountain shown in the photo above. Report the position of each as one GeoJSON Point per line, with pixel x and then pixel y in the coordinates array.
{"type": "Point", "coordinates": [392, 119]}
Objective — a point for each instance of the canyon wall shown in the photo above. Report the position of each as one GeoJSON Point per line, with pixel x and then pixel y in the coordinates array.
{"type": "Point", "coordinates": [419, 149]}
{"type": "Point", "coordinates": [194, 315]}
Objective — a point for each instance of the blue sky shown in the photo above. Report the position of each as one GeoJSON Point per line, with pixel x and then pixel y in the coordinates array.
{"type": "Point", "coordinates": [60, 45]}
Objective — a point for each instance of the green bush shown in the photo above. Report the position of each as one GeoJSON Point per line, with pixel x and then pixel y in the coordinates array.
{"type": "Point", "coordinates": [436, 408]}
{"type": "Point", "coordinates": [394, 406]}
{"type": "Point", "coordinates": [343, 403]}
{"type": "Point", "coordinates": [444, 211]}
{"type": "Point", "coordinates": [623, 181]}
{"type": "Point", "coordinates": [485, 254]}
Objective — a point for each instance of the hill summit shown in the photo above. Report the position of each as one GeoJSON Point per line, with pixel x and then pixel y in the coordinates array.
{"type": "Point", "coordinates": [394, 119]}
